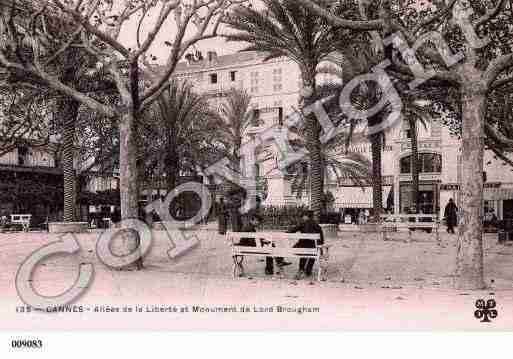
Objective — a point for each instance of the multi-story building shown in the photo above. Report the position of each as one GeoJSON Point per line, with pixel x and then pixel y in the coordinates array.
{"type": "Point", "coordinates": [31, 182]}
{"type": "Point", "coordinates": [275, 89]}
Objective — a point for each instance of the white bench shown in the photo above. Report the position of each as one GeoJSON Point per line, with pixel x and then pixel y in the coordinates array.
{"type": "Point", "coordinates": [22, 219]}
{"type": "Point", "coordinates": [277, 244]}
{"type": "Point", "coordinates": [397, 222]}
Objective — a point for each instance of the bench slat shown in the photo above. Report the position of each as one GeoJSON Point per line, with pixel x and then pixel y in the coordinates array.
{"type": "Point", "coordinates": [275, 252]}
{"type": "Point", "coordinates": [273, 235]}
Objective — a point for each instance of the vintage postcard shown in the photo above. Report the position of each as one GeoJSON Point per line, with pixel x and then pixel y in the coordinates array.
{"type": "Point", "coordinates": [256, 165]}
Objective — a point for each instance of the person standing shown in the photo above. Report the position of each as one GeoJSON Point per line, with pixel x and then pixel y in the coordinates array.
{"type": "Point", "coordinates": [450, 215]}
{"type": "Point", "coordinates": [222, 217]}
{"type": "Point", "coordinates": [3, 222]}
{"type": "Point", "coordinates": [308, 225]}
{"type": "Point", "coordinates": [361, 217]}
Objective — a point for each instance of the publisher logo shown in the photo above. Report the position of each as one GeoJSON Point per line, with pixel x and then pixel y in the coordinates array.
{"type": "Point", "coordinates": [485, 310]}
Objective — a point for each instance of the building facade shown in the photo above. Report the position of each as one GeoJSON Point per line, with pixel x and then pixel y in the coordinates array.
{"type": "Point", "coordinates": [275, 89]}
{"type": "Point", "coordinates": [31, 182]}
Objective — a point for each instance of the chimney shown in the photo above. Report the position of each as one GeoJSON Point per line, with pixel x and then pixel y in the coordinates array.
{"type": "Point", "coordinates": [212, 56]}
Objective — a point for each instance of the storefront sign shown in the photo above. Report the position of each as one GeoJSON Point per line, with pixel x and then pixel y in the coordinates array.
{"type": "Point", "coordinates": [366, 148]}
{"type": "Point", "coordinates": [422, 146]}
{"type": "Point", "coordinates": [449, 187]}
{"type": "Point", "coordinates": [456, 187]}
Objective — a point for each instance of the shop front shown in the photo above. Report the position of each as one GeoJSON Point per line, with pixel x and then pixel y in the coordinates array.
{"type": "Point", "coordinates": [430, 168]}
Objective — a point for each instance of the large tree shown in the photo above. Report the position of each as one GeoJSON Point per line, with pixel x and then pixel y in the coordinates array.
{"type": "Point", "coordinates": [336, 161]}
{"type": "Point", "coordinates": [236, 117]}
{"type": "Point", "coordinates": [34, 36]}
{"type": "Point", "coordinates": [286, 28]}
{"type": "Point", "coordinates": [180, 127]}
{"type": "Point", "coordinates": [25, 118]}
{"type": "Point", "coordinates": [485, 66]}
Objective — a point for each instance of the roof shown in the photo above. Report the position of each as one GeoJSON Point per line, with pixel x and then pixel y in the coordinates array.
{"type": "Point", "coordinates": [221, 61]}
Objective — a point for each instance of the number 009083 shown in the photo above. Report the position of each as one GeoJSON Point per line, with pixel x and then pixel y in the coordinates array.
{"type": "Point", "coordinates": [22, 343]}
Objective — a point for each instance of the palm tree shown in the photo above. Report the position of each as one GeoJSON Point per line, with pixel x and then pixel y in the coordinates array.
{"type": "Point", "coordinates": [236, 116]}
{"type": "Point", "coordinates": [343, 165]}
{"type": "Point", "coordinates": [358, 59]}
{"type": "Point", "coordinates": [352, 61]}
{"type": "Point", "coordinates": [76, 66]}
{"type": "Point", "coordinates": [285, 28]}
{"type": "Point", "coordinates": [349, 166]}
{"type": "Point", "coordinates": [415, 114]}
{"type": "Point", "coordinates": [419, 108]}
{"type": "Point", "coordinates": [176, 132]}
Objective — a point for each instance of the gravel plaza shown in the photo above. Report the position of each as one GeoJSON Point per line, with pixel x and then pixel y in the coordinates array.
{"type": "Point", "coordinates": [372, 284]}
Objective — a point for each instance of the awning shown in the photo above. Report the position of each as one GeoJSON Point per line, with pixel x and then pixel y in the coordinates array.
{"type": "Point", "coordinates": [355, 197]}
{"type": "Point", "coordinates": [498, 194]}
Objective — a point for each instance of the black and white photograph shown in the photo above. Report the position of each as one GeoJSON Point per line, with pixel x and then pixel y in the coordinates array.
{"type": "Point", "coordinates": [255, 165]}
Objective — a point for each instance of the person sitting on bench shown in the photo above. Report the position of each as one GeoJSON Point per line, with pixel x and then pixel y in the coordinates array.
{"type": "Point", "coordinates": [252, 222]}
{"type": "Point", "coordinates": [250, 225]}
{"type": "Point", "coordinates": [308, 225]}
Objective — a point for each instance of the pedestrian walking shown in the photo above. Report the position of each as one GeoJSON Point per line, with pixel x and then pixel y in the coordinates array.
{"type": "Point", "coordinates": [222, 217]}
{"type": "Point", "coordinates": [450, 215]}
{"type": "Point", "coordinates": [3, 222]}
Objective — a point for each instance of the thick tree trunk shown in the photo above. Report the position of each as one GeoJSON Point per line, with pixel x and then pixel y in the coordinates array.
{"type": "Point", "coordinates": [128, 164]}
{"type": "Point", "coordinates": [469, 261]}
{"type": "Point", "coordinates": [128, 167]}
{"type": "Point", "coordinates": [313, 145]}
{"type": "Point", "coordinates": [69, 111]}
{"type": "Point", "coordinates": [80, 182]}
{"type": "Point", "coordinates": [414, 164]}
{"type": "Point", "coordinates": [172, 169]}
{"type": "Point", "coordinates": [377, 192]}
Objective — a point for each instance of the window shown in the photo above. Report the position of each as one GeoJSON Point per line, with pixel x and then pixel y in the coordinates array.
{"type": "Point", "coordinates": [256, 117]}
{"type": "Point", "coordinates": [254, 82]}
{"type": "Point", "coordinates": [428, 163]}
{"type": "Point", "coordinates": [277, 80]}
{"type": "Point", "coordinates": [232, 75]}
{"type": "Point", "coordinates": [257, 170]}
{"type": "Point", "coordinates": [406, 165]}
{"type": "Point", "coordinates": [406, 130]}
{"type": "Point", "coordinates": [213, 78]}
{"type": "Point", "coordinates": [22, 155]}
{"type": "Point", "coordinates": [436, 130]}
{"type": "Point", "coordinates": [280, 116]}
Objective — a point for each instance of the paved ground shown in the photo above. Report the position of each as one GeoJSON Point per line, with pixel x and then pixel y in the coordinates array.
{"type": "Point", "coordinates": [372, 285]}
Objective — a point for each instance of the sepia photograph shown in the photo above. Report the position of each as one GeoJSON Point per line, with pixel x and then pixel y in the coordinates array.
{"type": "Point", "coordinates": [255, 165]}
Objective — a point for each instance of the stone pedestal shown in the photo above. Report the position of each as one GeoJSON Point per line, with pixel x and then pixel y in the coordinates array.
{"type": "Point", "coordinates": [68, 227]}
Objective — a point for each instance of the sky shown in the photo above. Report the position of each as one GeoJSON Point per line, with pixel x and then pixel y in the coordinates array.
{"type": "Point", "coordinates": [169, 29]}
{"type": "Point", "coordinates": [167, 32]}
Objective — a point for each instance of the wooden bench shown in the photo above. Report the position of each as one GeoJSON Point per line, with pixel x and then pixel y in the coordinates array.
{"type": "Point", "coordinates": [410, 222]}
{"type": "Point", "coordinates": [276, 244]}
{"type": "Point", "coordinates": [22, 220]}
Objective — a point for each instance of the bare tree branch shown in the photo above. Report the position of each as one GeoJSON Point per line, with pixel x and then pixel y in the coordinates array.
{"type": "Point", "coordinates": [491, 14]}
{"type": "Point", "coordinates": [436, 16]}
{"type": "Point", "coordinates": [496, 67]}
{"type": "Point", "coordinates": [337, 21]}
